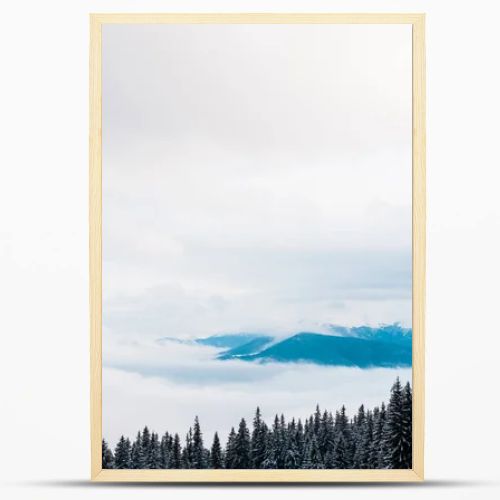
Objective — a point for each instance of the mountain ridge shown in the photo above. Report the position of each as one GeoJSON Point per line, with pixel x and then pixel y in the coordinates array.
{"type": "Point", "coordinates": [387, 346]}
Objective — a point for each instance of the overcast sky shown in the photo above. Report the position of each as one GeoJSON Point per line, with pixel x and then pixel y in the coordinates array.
{"type": "Point", "coordinates": [255, 178]}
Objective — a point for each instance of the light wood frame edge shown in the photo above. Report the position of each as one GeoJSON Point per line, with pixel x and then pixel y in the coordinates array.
{"type": "Point", "coordinates": [95, 253]}
{"type": "Point", "coordinates": [95, 246]}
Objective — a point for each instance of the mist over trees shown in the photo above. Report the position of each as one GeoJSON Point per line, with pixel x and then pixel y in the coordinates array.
{"type": "Point", "coordinates": [372, 439]}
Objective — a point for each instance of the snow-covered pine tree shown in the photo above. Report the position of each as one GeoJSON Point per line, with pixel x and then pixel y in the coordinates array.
{"type": "Point", "coordinates": [367, 439]}
{"type": "Point", "coordinates": [258, 441]}
{"type": "Point", "coordinates": [341, 420]}
{"type": "Point", "coordinates": [394, 434]}
{"type": "Point", "coordinates": [326, 436]}
{"type": "Point", "coordinates": [136, 454]}
{"type": "Point", "coordinates": [128, 444]}
{"type": "Point", "coordinates": [307, 428]}
{"type": "Point", "coordinates": [176, 453]}
{"type": "Point", "coordinates": [165, 449]}
{"type": "Point", "coordinates": [299, 438]}
{"type": "Point", "coordinates": [145, 444]}
{"type": "Point", "coordinates": [154, 456]}
{"type": "Point", "coordinates": [382, 445]}
{"type": "Point", "coordinates": [270, 461]}
{"type": "Point", "coordinates": [293, 458]}
{"type": "Point", "coordinates": [316, 421]}
{"type": "Point", "coordinates": [242, 447]}
{"type": "Point", "coordinates": [198, 454]}
{"type": "Point", "coordinates": [277, 442]}
{"type": "Point", "coordinates": [282, 442]}
{"type": "Point", "coordinates": [407, 427]}
{"type": "Point", "coordinates": [216, 459]}
{"type": "Point", "coordinates": [107, 456]}
{"type": "Point", "coordinates": [122, 454]}
{"type": "Point", "coordinates": [230, 454]}
{"type": "Point", "coordinates": [187, 452]}
{"type": "Point", "coordinates": [358, 429]}
{"type": "Point", "coordinates": [343, 435]}
{"type": "Point", "coordinates": [376, 434]}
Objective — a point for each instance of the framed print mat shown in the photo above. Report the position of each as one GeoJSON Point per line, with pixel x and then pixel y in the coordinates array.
{"type": "Point", "coordinates": [257, 247]}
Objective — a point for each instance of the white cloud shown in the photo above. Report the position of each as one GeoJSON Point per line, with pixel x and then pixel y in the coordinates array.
{"type": "Point", "coordinates": [164, 385]}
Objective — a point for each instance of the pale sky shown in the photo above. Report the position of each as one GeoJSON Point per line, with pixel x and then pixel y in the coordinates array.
{"type": "Point", "coordinates": [255, 178]}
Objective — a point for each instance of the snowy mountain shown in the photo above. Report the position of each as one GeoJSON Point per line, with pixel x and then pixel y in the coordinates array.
{"type": "Point", "coordinates": [333, 350]}
{"type": "Point", "coordinates": [386, 346]}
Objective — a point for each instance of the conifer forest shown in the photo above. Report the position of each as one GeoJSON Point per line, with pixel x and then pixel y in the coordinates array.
{"type": "Point", "coordinates": [378, 438]}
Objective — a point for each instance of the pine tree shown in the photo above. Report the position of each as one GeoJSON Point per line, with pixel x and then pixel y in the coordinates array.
{"type": "Point", "coordinates": [299, 433]}
{"type": "Point", "coordinates": [375, 443]}
{"type": "Point", "coordinates": [317, 421]}
{"type": "Point", "coordinates": [343, 448]}
{"type": "Point", "coordinates": [341, 421]}
{"type": "Point", "coordinates": [382, 445]}
{"type": "Point", "coordinates": [395, 437]}
{"type": "Point", "coordinates": [407, 427]}
{"type": "Point", "coordinates": [198, 452]}
{"type": "Point", "coordinates": [242, 447]}
{"type": "Point", "coordinates": [366, 440]}
{"type": "Point", "coordinates": [122, 454]}
{"type": "Point", "coordinates": [165, 450]}
{"type": "Point", "coordinates": [107, 456]}
{"type": "Point", "coordinates": [176, 453]}
{"type": "Point", "coordinates": [282, 442]}
{"type": "Point", "coordinates": [270, 460]}
{"type": "Point", "coordinates": [230, 458]}
{"type": "Point", "coordinates": [258, 441]}
{"type": "Point", "coordinates": [277, 443]}
{"type": "Point", "coordinates": [326, 435]}
{"type": "Point", "coordinates": [216, 459]}
{"type": "Point", "coordinates": [357, 436]}
{"type": "Point", "coordinates": [292, 458]}
{"type": "Point", "coordinates": [153, 460]}
{"type": "Point", "coordinates": [187, 452]}
{"type": "Point", "coordinates": [145, 445]}
{"type": "Point", "coordinates": [137, 456]}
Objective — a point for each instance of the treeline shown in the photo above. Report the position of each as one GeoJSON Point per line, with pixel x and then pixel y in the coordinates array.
{"type": "Point", "coordinates": [373, 439]}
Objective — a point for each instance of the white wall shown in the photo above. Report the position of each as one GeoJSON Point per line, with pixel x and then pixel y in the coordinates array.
{"type": "Point", "coordinates": [44, 257]}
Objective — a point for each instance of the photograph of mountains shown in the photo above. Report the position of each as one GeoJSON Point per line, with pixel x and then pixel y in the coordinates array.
{"type": "Point", "coordinates": [257, 246]}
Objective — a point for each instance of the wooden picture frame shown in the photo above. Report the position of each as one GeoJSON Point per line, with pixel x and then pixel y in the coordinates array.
{"type": "Point", "coordinates": [418, 284]}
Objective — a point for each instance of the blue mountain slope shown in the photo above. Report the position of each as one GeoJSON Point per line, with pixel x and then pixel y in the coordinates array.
{"type": "Point", "coordinates": [256, 345]}
{"type": "Point", "coordinates": [339, 351]}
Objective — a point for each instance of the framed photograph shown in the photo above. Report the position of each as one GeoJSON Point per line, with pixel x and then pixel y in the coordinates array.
{"type": "Point", "coordinates": [257, 247]}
